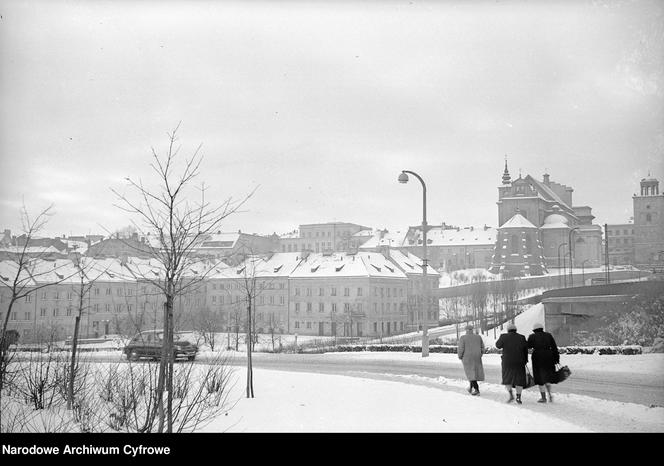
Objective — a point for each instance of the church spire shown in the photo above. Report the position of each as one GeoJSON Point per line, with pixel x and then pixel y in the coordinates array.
{"type": "Point", "coordinates": [506, 174]}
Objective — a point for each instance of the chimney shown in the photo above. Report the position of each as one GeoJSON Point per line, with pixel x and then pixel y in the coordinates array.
{"type": "Point", "coordinates": [546, 179]}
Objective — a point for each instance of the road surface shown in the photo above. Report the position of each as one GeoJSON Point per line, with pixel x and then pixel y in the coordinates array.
{"type": "Point", "coordinates": [645, 389]}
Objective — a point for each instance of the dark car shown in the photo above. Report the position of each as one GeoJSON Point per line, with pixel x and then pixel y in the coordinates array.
{"type": "Point", "coordinates": [148, 344]}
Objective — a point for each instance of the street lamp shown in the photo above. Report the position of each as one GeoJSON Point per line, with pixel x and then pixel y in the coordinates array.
{"type": "Point", "coordinates": [560, 246]}
{"type": "Point", "coordinates": [571, 264]}
{"type": "Point", "coordinates": [583, 275]}
{"type": "Point", "coordinates": [403, 178]}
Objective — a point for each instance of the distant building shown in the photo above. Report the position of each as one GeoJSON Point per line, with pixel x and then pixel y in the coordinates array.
{"type": "Point", "coordinates": [548, 206]}
{"type": "Point", "coordinates": [234, 246]}
{"type": "Point", "coordinates": [621, 243]}
{"type": "Point", "coordinates": [117, 247]}
{"type": "Point", "coordinates": [448, 247]}
{"type": "Point", "coordinates": [649, 224]}
{"type": "Point", "coordinates": [324, 237]}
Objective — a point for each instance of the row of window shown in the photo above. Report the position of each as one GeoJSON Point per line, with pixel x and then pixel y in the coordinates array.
{"type": "Point", "coordinates": [232, 299]}
{"type": "Point", "coordinates": [378, 291]}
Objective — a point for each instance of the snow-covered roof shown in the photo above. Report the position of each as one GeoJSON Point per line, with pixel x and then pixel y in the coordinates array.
{"type": "Point", "coordinates": [410, 263]}
{"type": "Point", "coordinates": [362, 264]}
{"type": "Point", "coordinates": [220, 241]}
{"type": "Point", "coordinates": [439, 236]}
{"type": "Point", "coordinates": [290, 235]}
{"type": "Point", "coordinates": [555, 221]}
{"type": "Point", "coordinates": [517, 221]}
{"type": "Point", "coordinates": [385, 238]}
{"type": "Point", "coordinates": [30, 250]}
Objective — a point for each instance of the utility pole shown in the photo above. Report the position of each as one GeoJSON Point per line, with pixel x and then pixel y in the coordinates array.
{"type": "Point", "coordinates": [606, 252]}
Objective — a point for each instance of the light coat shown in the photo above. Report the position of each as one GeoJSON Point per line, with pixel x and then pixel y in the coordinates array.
{"type": "Point", "coordinates": [470, 350]}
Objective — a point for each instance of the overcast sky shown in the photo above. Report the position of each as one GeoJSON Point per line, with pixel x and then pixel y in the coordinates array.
{"type": "Point", "coordinates": [321, 105]}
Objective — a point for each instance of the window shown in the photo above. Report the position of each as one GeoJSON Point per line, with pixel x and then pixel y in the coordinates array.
{"type": "Point", "coordinates": [333, 291]}
{"type": "Point", "coordinates": [26, 316]}
{"type": "Point", "coordinates": [297, 325]}
{"type": "Point", "coordinates": [309, 307]}
{"type": "Point", "coordinates": [346, 307]}
{"type": "Point", "coordinates": [308, 291]}
{"type": "Point", "coordinates": [118, 308]}
{"type": "Point", "coordinates": [359, 291]}
{"type": "Point", "coordinates": [44, 295]}
{"type": "Point", "coordinates": [28, 298]}
{"type": "Point", "coordinates": [57, 295]}
{"type": "Point", "coordinates": [388, 292]}
{"type": "Point", "coordinates": [321, 291]}
{"type": "Point", "coordinates": [107, 307]}
{"type": "Point", "coordinates": [42, 312]}
{"type": "Point", "coordinates": [56, 312]}
{"type": "Point", "coordinates": [69, 295]}
{"type": "Point", "coordinates": [68, 311]}
{"type": "Point", "coordinates": [334, 307]}
{"type": "Point", "coordinates": [271, 299]}
{"type": "Point", "coordinates": [97, 291]}
{"type": "Point", "coordinates": [321, 307]}
{"type": "Point", "coordinates": [281, 300]}
{"type": "Point", "coordinates": [130, 308]}
{"type": "Point", "coordinates": [514, 243]}
{"type": "Point", "coordinates": [359, 307]}
{"type": "Point", "coordinates": [308, 324]}
{"type": "Point", "coordinates": [648, 217]}
{"type": "Point", "coordinates": [297, 307]}
{"type": "Point", "coordinates": [95, 308]}
{"type": "Point", "coordinates": [108, 291]}
{"type": "Point", "coordinates": [297, 292]}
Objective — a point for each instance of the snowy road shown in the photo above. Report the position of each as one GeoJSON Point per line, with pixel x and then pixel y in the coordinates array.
{"type": "Point", "coordinates": [644, 389]}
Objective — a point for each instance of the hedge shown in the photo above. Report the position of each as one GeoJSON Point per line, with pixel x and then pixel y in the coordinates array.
{"type": "Point", "coordinates": [490, 350]}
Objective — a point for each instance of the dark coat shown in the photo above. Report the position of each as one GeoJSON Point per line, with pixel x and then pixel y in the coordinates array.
{"type": "Point", "coordinates": [470, 350]}
{"type": "Point", "coordinates": [545, 356]}
{"type": "Point", "coordinates": [514, 358]}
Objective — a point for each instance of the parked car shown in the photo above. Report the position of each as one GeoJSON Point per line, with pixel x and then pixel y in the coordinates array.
{"type": "Point", "coordinates": [148, 344]}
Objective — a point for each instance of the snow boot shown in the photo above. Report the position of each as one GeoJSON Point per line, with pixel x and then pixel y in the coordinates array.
{"type": "Point", "coordinates": [543, 398]}
{"type": "Point", "coordinates": [475, 392]}
{"type": "Point", "coordinates": [518, 399]}
{"type": "Point", "coordinates": [511, 398]}
{"type": "Point", "coordinates": [550, 398]}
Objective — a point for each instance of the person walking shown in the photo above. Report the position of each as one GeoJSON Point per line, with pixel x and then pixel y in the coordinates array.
{"type": "Point", "coordinates": [513, 361]}
{"type": "Point", "coordinates": [545, 357]}
{"type": "Point", "coordinates": [470, 350]}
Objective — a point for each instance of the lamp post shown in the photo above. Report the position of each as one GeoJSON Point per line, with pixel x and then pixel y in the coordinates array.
{"type": "Point", "coordinates": [403, 178]}
{"type": "Point", "coordinates": [571, 263]}
{"type": "Point", "coordinates": [560, 246]}
{"type": "Point", "coordinates": [583, 274]}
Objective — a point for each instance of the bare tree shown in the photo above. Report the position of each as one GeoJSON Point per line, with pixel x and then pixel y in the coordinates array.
{"type": "Point", "coordinates": [208, 324]}
{"type": "Point", "coordinates": [179, 227]}
{"type": "Point", "coordinates": [86, 280]}
{"type": "Point", "coordinates": [252, 285]}
{"type": "Point", "coordinates": [23, 275]}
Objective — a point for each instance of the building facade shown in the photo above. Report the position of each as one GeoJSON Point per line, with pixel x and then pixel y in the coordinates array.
{"type": "Point", "coordinates": [324, 237]}
{"type": "Point", "coordinates": [563, 229]}
{"type": "Point", "coordinates": [342, 294]}
{"type": "Point", "coordinates": [649, 224]}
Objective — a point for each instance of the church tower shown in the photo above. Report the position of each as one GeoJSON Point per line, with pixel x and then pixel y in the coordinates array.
{"type": "Point", "coordinates": [649, 223]}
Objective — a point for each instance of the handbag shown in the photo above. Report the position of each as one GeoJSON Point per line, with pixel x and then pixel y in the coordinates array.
{"type": "Point", "coordinates": [562, 373]}
{"type": "Point", "coordinates": [530, 380]}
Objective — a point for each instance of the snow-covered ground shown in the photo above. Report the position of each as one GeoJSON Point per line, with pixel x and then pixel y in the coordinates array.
{"type": "Point", "coordinates": [301, 402]}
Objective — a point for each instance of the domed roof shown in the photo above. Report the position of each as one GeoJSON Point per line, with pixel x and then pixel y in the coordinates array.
{"type": "Point", "coordinates": [555, 221]}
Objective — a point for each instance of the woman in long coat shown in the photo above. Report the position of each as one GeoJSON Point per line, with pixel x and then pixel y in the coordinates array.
{"type": "Point", "coordinates": [545, 358]}
{"type": "Point", "coordinates": [513, 361]}
{"type": "Point", "coordinates": [470, 350]}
